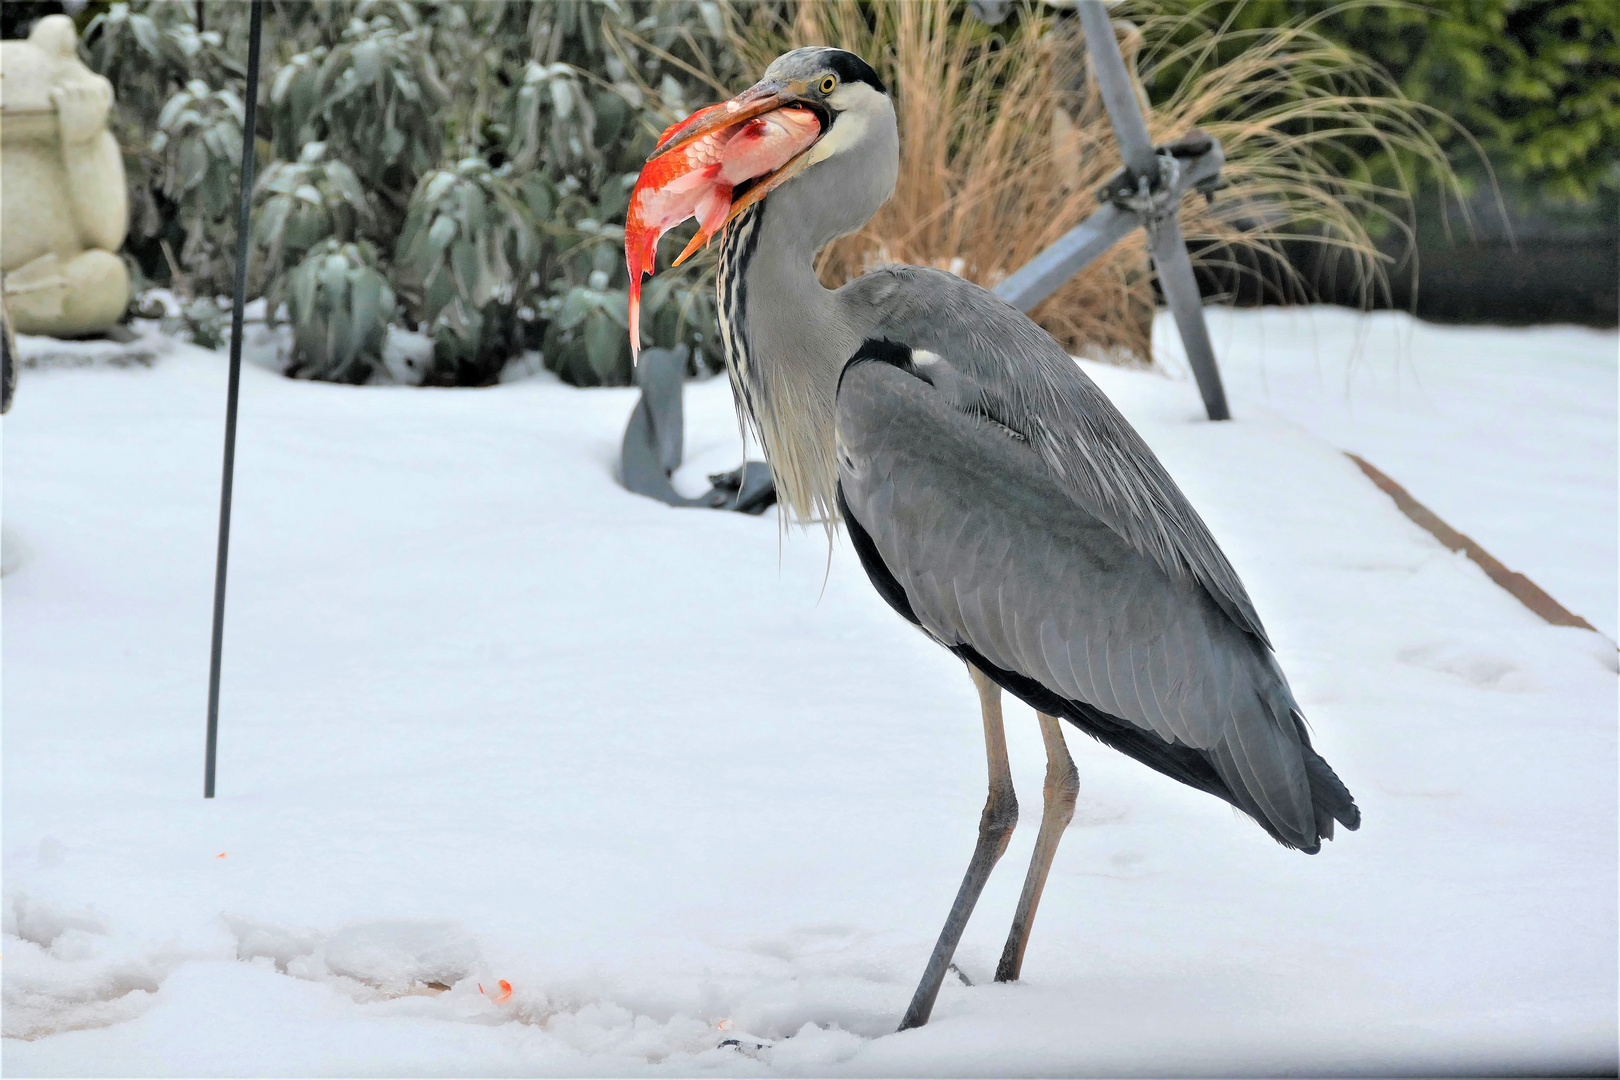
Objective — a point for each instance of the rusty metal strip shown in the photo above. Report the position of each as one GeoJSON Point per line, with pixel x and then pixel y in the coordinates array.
{"type": "Point", "coordinates": [1523, 589]}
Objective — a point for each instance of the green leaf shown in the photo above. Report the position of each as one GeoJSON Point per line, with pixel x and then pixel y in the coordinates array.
{"type": "Point", "coordinates": [442, 232]}
{"type": "Point", "coordinates": [562, 98]}
{"type": "Point", "coordinates": [217, 190]}
{"type": "Point", "coordinates": [214, 139]}
{"type": "Point", "coordinates": [407, 86]}
{"type": "Point", "coordinates": [367, 58]}
{"type": "Point", "coordinates": [233, 105]}
{"type": "Point", "coordinates": [273, 219]}
{"type": "Point", "coordinates": [464, 261]}
{"type": "Point", "coordinates": [616, 305]}
{"type": "Point", "coordinates": [306, 225]}
{"type": "Point", "coordinates": [347, 184]}
{"type": "Point", "coordinates": [538, 193]}
{"type": "Point", "coordinates": [284, 78]}
{"type": "Point", "coordinates": [604, 344]}
{"type": "Point", "coordinates": [440, 183]}
{"type": "Point", "coordinates": [366, 307]}
{"type": "Point", "coordinates": [473, 203]}
{"type": "Point", "coordinates": [611, 112]}
{"type": "Point", "coordinates": [438, 293]}
{"type": "Point", "coordinates": [146, 34]}
{"type": "Point", "coordinates": [337, 340]}
{"type": "Point", "coordinates": [393, 142]}
{"type": "Point", "coordinates": [193, 163]}
{"type": "Point", "coordinates": [172, 109]}
{"type": "Point", "coordinates": [575, 307]}
{"type": "Point", "coordinates": [335, 282]}
{"type": "Point", "coordinates": [302, 298]}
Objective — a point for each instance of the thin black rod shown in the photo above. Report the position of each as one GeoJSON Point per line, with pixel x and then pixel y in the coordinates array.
{"type": "Point", "coordinates": [249, 116]}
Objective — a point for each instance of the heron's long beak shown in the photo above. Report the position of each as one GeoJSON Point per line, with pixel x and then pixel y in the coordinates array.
{"type": "Point", "coordinates": [759, 99]}
{"type": "Point", "coordinates": [762, 97]}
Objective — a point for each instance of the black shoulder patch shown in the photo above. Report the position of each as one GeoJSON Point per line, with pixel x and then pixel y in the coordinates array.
{"type": "Point", "coordinates": [880, 351]}
{"type": "Point", "coordinates": [851, 68]}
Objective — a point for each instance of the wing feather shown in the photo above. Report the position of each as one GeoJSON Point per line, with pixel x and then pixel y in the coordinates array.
{"type": "Point", "coordinates": [998, 559]}
{"type": "Point", "coordinates": [1010, 369]}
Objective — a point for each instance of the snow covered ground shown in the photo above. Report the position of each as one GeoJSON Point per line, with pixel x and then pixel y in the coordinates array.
{"type": "Point", "coordinates": [1509, 435]}
{"type": "Point", "coordinates": [488, 717]}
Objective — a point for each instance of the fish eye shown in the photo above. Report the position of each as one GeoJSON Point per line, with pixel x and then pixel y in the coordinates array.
{"type": "Point", "coordinates": [828, 82]}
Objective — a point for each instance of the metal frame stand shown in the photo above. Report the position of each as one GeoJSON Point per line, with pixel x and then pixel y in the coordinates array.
{"type": "Point", "coordinates": [1145, 194]}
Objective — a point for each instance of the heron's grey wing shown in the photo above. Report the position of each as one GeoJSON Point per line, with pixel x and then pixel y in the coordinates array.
{"type": "Point", "coordinates": [993, 557]}
{"type": "Point", "coordinates": [1008, 368]}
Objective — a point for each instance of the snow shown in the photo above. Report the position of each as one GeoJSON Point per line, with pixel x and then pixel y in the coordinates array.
{"type": "Point", "coordinates": [1509, 435]}
{"type": "Point", "coordinates": [681, 780]}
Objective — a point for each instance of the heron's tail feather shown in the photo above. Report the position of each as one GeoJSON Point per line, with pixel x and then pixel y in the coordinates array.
{"type": "Point", "coordinates": [1330, 799]}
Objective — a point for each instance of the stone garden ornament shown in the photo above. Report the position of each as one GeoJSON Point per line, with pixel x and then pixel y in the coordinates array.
{"type": "Point", "coordinates": [66, 209]}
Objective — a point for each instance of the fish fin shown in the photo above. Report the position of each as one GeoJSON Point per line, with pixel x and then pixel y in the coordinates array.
{"type": "Point", "coordinates": [711, 215]}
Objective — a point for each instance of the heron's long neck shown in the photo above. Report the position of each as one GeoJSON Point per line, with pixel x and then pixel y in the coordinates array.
{"type": "Point", "coordinates": [786, 339]}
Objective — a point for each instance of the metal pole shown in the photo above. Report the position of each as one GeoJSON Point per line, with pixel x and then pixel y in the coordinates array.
{"type": "Point", "coordinates": [1171, 260]}
{"type": "Point", "coordinates": [1170, 257]}
{"type": "Point", "coordinates": [249, 117]}
{"type": "Point", "coordinates": [1118, 94]}
{"type": "Point", "coordinates": [1069, 254]}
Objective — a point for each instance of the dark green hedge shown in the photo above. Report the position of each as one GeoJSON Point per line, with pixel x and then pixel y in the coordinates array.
{"type": "Point", "coordinates": [1536, 82]}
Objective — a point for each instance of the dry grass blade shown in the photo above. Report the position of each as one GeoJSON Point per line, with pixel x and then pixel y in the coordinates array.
{"type": "Point", "coordinates": [1005, 142]}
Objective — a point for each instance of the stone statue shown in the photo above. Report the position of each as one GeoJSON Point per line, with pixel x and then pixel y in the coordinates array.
{"type": "Point", "coordinates": [65, 208]}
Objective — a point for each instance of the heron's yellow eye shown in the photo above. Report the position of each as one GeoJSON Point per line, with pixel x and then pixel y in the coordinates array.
{"type": "Point", "coordinates": [827, 84]}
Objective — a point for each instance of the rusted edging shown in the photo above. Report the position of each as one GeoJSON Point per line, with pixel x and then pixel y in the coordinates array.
{"type": "Point", "coordinates": [1523, 589]}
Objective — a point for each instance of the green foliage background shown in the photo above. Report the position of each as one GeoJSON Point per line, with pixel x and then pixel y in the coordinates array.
{"type": "Point", "coordinates": [460, 166]}
{"type": "Point", "coordinates": [1536, 82]}
{"type": "Point", "coordinates": [463, 166]}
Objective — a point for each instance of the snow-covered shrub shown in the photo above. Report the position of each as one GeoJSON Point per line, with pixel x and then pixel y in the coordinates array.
{"type": "Point", "coordinates": [513, 128]}
{"type": "Point", "coordinates": [300, 204]}
{"type": "Point", "coordinates": [340, 306]}
{"type": "Point", "coordinates": [468, 255]}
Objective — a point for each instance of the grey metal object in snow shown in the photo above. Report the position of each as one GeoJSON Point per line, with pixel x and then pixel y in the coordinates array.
{"type": "Point", "coordinates": [651, 449]}
{"type": "Point", "coordinates": [1145, 194]}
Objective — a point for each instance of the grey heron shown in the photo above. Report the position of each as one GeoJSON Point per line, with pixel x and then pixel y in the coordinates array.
{"type": "Point", "coordinates": [996, 498]}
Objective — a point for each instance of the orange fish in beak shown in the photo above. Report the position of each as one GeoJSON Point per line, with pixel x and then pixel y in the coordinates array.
{"type": "Point", "coordinates": [759, 135]}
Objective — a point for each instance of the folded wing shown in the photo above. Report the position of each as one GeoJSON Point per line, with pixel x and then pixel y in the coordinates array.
{"type": "Point", "coordinates": [986, 547]}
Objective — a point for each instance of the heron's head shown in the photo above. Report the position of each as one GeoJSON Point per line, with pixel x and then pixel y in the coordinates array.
{"type": "Point", "coordinates": [849, 166]}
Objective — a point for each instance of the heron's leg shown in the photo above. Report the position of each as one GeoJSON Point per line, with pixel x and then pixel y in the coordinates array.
{"type": "Point", "coordinates": [995, 829]}
{"type": "Point", "coordinates": [1062, 785]}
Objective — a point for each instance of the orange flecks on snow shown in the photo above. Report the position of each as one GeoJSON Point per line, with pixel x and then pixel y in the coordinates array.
{"type": "Point", "coordinates": [221, 855]}
{"type": "Point", "coordinates": [696, 180]}
{"type": "Point", "coordinates": [503, 990]}
{"type": "Point", "coordinates": [724, 1025]}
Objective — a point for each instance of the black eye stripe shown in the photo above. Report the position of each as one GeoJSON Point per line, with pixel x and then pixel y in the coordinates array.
{"type": "Point", "coordinates": [852, 69]}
